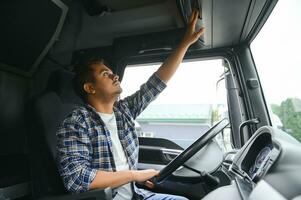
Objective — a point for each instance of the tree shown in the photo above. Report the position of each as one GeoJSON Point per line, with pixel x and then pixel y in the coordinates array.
{"type": "Point", "coordinates": [290, 115]}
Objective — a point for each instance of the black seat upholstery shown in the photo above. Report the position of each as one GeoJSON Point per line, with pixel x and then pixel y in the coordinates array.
{"type": "Point", "coordinates": [49, 110]}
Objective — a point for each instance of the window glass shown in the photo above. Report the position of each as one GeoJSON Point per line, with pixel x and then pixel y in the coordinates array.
{"type": "Point", "coordinates": [276, 52]}
{"type": "Point", "coordinates": [187, 107]}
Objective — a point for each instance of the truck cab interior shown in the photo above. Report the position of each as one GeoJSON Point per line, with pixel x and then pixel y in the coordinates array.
{"type": "Point", "coordinates": [241, 153]}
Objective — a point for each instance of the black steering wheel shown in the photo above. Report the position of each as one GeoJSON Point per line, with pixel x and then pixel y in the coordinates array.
{"type": "Point", "coordinates": [190, 151]}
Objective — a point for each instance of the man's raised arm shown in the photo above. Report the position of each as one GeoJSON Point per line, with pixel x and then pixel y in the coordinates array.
{"type": "Point", "coordinates": [171, 64]}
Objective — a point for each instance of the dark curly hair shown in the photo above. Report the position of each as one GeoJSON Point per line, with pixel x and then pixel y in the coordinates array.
{"type": "Point", "coordinates": [84, 73]}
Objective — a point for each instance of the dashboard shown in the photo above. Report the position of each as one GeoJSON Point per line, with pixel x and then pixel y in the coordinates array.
{"type": "Point", "coordinates": [255, 158]}
{"type": "Point", "coordinates": [267, 166]}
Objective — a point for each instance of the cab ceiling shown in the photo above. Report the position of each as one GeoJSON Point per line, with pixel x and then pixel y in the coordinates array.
{"type": "Point", "coordinates": [128, 20]}
{"type": "Point", "coordinates": [227, 23]}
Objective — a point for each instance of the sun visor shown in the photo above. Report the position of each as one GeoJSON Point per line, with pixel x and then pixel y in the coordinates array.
{"type": "Point", "coordinates": [28, 30]}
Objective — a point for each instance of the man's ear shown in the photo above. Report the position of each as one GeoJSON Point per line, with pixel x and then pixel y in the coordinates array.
{"type": "Point", "coordinates": [88, 87]}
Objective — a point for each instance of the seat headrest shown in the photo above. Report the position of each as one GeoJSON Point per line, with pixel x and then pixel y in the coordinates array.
{"type": "Point", "coordinates": [62, 82]}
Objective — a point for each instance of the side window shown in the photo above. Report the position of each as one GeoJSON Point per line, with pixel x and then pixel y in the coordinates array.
{"type": "Point", "coordinates": [276, 52]}
{"type": "Point", "coordinates": [194, 99]}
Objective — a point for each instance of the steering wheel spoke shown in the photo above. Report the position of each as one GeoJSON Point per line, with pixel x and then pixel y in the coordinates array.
{"type": "Point", "coordinates": [190, 151]}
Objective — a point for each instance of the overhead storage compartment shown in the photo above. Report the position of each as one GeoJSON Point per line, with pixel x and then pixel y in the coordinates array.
{"type": "Point", "coordinates": [25, 40]}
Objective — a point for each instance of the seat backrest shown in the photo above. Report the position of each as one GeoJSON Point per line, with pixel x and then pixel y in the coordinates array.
{"type": "Point", "coordinates": [49, 110]}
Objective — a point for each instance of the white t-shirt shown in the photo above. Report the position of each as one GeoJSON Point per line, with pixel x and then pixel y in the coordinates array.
{"type": "Point", "coordinates": [125, 191]}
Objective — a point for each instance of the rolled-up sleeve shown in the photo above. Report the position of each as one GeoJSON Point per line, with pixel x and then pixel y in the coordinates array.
{"type": "Point", "coordinates": [74, 155]}
{"type": "Point", "coordinates": [148, 92]}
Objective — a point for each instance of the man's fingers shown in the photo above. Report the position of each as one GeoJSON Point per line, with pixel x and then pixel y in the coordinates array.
{"type": "Point", "coordinates": [201, 32]}
{"type": "Point", "coordinates": [191, 34]}
{"type": "Point", "coordinates": [192, 16]}
{"type": "Point", "coordinates": [149, 184]}
{"type": "Point", "coordinates": [193, 20]}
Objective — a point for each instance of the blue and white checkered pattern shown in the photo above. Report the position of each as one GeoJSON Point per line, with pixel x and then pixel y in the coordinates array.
{"type": "Point", "coordinates": [84, 143]}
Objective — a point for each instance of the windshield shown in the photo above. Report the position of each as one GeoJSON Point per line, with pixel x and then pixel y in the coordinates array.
{"type": "Point", "coordinates": [188, 106]}
{"type": "Point", "coordinates": [276, 52]}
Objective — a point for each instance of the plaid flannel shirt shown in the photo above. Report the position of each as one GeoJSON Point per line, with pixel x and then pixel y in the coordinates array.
{"type": "Point", "coordinates": [84, 143]}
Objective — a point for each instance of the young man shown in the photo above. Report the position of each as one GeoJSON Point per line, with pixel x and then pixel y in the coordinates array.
{"type": "Point", "coordinates": [97, 144]}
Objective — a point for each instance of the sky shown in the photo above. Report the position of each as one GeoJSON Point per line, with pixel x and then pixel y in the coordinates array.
{"type": "Point", "coordinates": [277, 55]}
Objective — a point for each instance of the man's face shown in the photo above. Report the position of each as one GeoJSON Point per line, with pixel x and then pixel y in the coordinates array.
{"type": "Point", "coordinates": [106, 84]}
